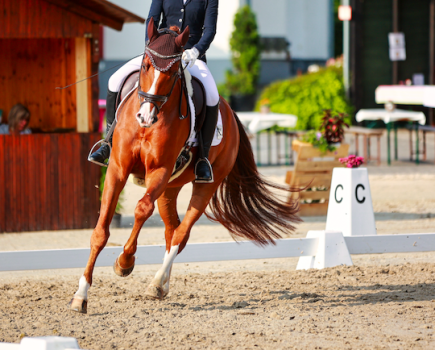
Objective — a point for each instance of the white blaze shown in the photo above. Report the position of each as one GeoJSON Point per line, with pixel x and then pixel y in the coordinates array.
{"type": "Point", "coordinates": [145, 109]}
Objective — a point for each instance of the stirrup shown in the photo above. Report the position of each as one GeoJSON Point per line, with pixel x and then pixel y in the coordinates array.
{"type": "Point", "coordinates": [200, 181]}
{"type": "Point", "coordinates": [90, 153]}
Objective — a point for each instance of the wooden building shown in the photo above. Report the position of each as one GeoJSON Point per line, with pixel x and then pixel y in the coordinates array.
{"type": "Point", "coordinates": [46, 181]}
{"type": "Point", "coordinates": [370, 64]}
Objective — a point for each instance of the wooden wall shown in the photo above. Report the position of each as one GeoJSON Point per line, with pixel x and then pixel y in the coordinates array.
{"type": "Point", "coordinates": [29, 74]}
{"type": "Point", "coordinates": [47, 182]}
{"type": "Point", "coordinates": [40, 19]}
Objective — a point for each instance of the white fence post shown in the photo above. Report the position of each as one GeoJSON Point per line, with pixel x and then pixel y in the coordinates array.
{"type": "Point", "coordinates": [331, 251]}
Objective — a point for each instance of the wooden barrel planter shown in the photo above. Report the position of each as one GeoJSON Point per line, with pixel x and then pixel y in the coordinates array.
{"type": "Point", "coordinates": [313, 169]}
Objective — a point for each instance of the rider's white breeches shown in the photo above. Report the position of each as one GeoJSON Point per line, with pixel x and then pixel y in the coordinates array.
{"type": "Point", "coordinates": [199, 70]}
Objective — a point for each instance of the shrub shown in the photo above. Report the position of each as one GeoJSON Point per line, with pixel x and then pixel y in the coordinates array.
{"type": "Point", "coordinates": [307, 96]}
{"type": "Point", "coordinates": [246, 54]}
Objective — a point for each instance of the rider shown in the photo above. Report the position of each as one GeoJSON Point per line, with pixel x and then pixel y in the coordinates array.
{"type": "Point", "coordinates": [201, 17]}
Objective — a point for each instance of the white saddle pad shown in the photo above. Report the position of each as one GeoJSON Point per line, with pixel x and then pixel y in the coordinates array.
{"type": "Point", "coordinates": [218, 134]}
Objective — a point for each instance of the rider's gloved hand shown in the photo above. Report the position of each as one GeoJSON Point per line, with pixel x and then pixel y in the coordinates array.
{"type": "Point", "coordinates": [191, 56]}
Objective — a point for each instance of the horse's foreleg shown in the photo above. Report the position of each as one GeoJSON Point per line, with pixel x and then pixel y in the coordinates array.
{"type": "Point", "coordinates": [114, 183]}
{"type": "Point", "coordinates": [156, 183]}
{"type": "Point", "coordinates": [168, 211]}
{"type": "Point", "coordinates": [200, 198]}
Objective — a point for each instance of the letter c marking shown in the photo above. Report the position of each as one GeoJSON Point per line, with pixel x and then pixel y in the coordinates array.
{"type": "Point", "coordinates": [356, 194]}
{"type": "Point", "coordinates": [341, 200]}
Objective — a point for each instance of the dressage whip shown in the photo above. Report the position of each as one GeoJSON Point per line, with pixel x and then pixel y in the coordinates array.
{"type": "Point", "coordinates": [104, 71]}
{"type": "Point", "coordinates": [65, 87]}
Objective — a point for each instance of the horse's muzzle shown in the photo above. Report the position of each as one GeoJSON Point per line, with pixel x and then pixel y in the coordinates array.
{"type": "Point", "coordinates": [147, 122]}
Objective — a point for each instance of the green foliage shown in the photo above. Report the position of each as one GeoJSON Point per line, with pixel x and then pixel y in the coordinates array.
{"type": "Point", "coordinates": [246, 50]}
{"type": "Point", "coordinates": [319, 141]}
{"type": "Point", "coordinates": [102, 179]}
{"type": "Point", "coordinates": [307, 96]}
{"type": "Point", "coordinates": [224, 91]}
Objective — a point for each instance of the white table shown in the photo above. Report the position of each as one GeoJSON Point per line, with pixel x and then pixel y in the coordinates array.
{"type": "Point", "coordinates": [423, 95]}
{"type": "Point", "coordinates": [256, 122]}
{"type": "Point", "coordinates": [390, 118]}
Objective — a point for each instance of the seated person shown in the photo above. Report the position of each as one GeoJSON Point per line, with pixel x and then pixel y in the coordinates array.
{"type": "Point", "coordinates": [18, 120]}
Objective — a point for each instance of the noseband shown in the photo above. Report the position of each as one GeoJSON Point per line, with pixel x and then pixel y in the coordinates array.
{"type": "Point", "coordinates": [145, 97]}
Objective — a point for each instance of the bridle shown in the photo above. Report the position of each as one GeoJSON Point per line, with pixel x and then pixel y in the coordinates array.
{"type": "Point", "coordinates": [145, 97]}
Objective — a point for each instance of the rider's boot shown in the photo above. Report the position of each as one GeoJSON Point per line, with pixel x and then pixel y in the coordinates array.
{"type": "Point", "coordinates": [203, 169]}
{"type": "Point", "coordinates": [103, 152]}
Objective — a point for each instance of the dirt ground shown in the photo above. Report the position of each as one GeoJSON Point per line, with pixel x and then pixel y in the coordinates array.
{"type": "Point", "coordinates": [383, 301]}
{"type": "Point", "coordinates": [390, 307]}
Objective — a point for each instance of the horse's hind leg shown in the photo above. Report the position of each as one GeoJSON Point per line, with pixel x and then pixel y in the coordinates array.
{"type": "Point", "coordinates": [200, 198]}
{"type": "Point", "coordinates": [114, 183]}
{"type": "Point", "coordinates": [168, 211]}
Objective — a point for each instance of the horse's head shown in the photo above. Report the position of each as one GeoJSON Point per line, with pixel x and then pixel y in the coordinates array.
{"type": "Point", "coordinates": [161, 69]}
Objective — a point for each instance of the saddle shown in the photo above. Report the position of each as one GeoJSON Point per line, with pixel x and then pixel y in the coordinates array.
{"type": "Point", "coordinates": [198, 97]}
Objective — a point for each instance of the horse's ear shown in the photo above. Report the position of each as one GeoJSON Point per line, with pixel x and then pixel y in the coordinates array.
{"type": "Point", "coordinates": [152, 30]}
{"type": "Point", "coordinates": [183, 38]}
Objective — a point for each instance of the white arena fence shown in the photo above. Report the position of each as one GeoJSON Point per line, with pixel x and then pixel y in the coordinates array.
{"type": "Point", "coordinates": [320, 249]}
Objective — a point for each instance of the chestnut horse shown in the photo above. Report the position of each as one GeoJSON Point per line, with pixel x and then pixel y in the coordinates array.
{"type": "Point", "coordinates": [239, 198]}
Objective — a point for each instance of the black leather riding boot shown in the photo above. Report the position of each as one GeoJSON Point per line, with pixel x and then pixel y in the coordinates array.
{"type": "Point", "coordinates": [103, 152]}
{"type": "Point", "coordinates": [203, 169]}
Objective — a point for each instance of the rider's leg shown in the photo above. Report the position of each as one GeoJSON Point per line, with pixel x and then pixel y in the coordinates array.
{"type": "Point", "coordinates": [115, 83]}
{"type": "Point", "coordinates": [103, 152]}
{"type": "Point", "coordinates": [203, 169]}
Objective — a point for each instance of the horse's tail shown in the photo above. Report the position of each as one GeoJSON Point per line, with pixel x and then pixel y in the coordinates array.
{"type": "Point", "coordinates": [246, 204]}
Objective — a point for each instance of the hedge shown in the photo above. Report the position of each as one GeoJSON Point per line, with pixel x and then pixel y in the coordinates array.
{"type": "Point", "coordinates": [307, 96]}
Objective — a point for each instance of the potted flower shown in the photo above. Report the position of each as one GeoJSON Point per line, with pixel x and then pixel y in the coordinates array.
{"type": "Point", "coordinates": [327, 141]}
{"type": "Point", "coordinates": [318, 152]}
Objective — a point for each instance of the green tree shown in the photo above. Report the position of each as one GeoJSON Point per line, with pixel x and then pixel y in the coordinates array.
{"type": "Point", "coordinates": [245, 48]}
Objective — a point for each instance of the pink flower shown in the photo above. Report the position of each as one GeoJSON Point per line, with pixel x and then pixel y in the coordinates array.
{"type": "Point", "coordinates": [352, 161]}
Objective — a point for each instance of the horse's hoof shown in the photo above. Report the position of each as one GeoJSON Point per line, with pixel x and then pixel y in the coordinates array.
{"type": "Point", "coordinates": [155, 292]}
{"type": "Point", "coordinates": [78, 305]}
{"type": "Point", "coordinates": [120, 271]}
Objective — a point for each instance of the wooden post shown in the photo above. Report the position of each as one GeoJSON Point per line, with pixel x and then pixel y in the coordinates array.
{"type": "Point", "coordinates": [82, 89]}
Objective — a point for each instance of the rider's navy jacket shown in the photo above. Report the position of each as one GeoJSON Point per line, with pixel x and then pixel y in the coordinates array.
{"type": "Point", "coordinates": [199, 15]}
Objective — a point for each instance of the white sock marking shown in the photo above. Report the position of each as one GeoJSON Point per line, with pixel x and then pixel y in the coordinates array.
{"type": "Point", "coordinates": [83, 289]}
{"type": "Point", "coordinates": [162, 276]}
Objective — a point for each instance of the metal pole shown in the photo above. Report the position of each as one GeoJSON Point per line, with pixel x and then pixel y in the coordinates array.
{"type": "Point", "coordinates": [346, 51]}
{"type": "Point", "coordinates": [431, 54]}
{"type": "Point", "coordinates": [395, 30]}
